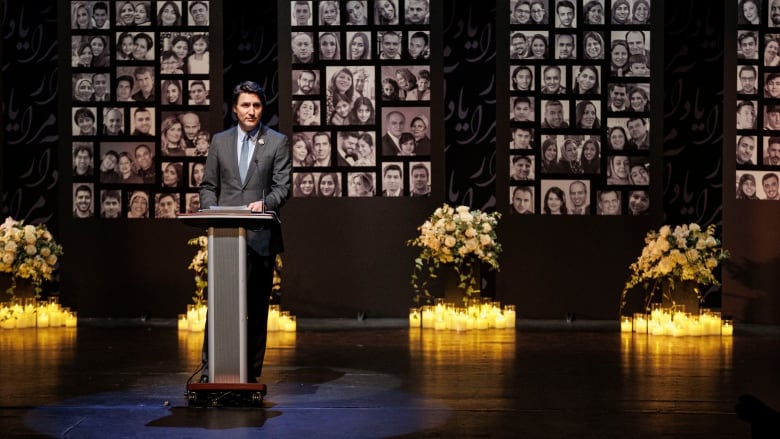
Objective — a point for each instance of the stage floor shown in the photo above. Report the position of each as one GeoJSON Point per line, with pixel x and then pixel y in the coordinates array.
{"type": "Point", "coordinates": [378, 379]}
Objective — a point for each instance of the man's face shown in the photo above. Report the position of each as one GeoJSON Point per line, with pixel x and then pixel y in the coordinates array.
{"type": "Point", "coordinates": [518, 44]}
{"type": "Point", "coordinates": [774, 154]}
{"type": "Point", "coordinates": [770, 187]}
{"type": "Point", "coordinates": [522, 139]}
{"type": "Point", "coordinates": [83, 201]}
{"type": "Point", "coordinates": [85, 124]}
{"type": "Point", "coordinates": [111, 207]}
{"type": "Point", "coordinates": [565, 46]}
{"type": "Point", "coordinates": [392, 180]}
{"type": "Point", "coordinates": [191, 123]}
{"type": "Point", "coordinates": [552, 79]}
{"type": "Point", "coordinates": [553, 114]}
{"type": "Point", "coordinates": [248, 109]}
{"type": "Point", "coordinates": [618, 96]}
{"type": "Point", "coordinates": [167, 207]}
{"type": "Point", "coordinates": [416, 11]}
{"type": "Point", "coordinates": [636, 43]}
{"type": "Point", "coordinates": [636, 129]}
{"type": "Point", "coordinates": [747, 78]}
{"type": "Point", "coordinates": [745, 149]}
{"type": "Point", "coordinates": [306, 82]}
{"type": "Point", "coordinates": [773, 120]}
{"type": "Point", "coordinates": [198, 94]}
{"type": "Point", "coordinates": [143, 121]}
{"type": "Point", "coordinates": [416, 47]}
{"type": "Point", "coordinates": [748, 46]}
{"type": "Point", "coordinates": [349, 144]}
{"type": "Point", "coordinates": [420, 179]}
{"type": "Point", "coordinates": [391, 43]}
{"type": "Point", "coordinates": [82, 162]}
{"type": "Point", "coordinates": [746, 117]}
{"type": "Point", "coordinates": [100, 83]}
{"type": "Point", "coordinates": [395, 124]}
{"type": "Point", "coordinates": [521, 201]}
{"type": "Point", "coordinates": [577, 193]}
{"type": "Point", "coordinates": [522, 110]}
{"type": "Point", "coordinates": [114, 121]}
{"type": "Point", "coordinates": [100, 16]}
{"type": "Point", "coordinates": [200, 14]}
{"type": "Point", "coordinates": [302, 46]}
{"type": "Point", "coordinates": [774, 12]}
{"type": "Point", "coordinates": [609, 203]}
{"type": "Point", "coordinates": [144, 158]}
{"type": "Point", "coordinates": [565, 15]}
{"type": "Point", "coordinates": [145, 82]}
{"type": "Point", "coordinates": [321, 148]}
{"type": "Point", "coordinates": [302, 14]}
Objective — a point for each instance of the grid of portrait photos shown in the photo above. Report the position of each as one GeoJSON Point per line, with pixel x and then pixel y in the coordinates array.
{"type": "Point", "coordinates": [361, 98]}
{"type": "Point", "coordinates": [579, 109]}
{"type": "Point", "coordinates": [758, 100]}
{"type": "Point", "coordinates": [140, 105]}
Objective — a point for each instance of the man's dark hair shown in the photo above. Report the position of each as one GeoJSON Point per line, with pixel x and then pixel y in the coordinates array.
{"type": "Point", "coordinates": [249, 87]}
{"type": "Point", "coordinates": [392, 167]}
{"type": "Point", "coordinates": [99, 5]}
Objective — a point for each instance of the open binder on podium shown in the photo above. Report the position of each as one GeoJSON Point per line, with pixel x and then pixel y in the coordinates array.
{"type": "Point", "coordinates": [227, 322]}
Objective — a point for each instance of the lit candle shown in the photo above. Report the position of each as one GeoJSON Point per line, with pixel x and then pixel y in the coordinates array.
{"type": "Point", "coordinates": [439, 324]}
{"type": "Point", "coordinates": [640, 323]}
{"type": "Point", "coordinates": [482, 322]}
{"type": "Point", "coordinates": [183, 325]}
{"type": "Point", "coordinates": [8, 323]}
{"type": "Point", "coordinates": [290, 324]}
{"type": "Point", "coordinates": [71, 320]}
{"type": "Point", "coordinates": [727, 328]}
{"type": "Point", "coordinates": [43, 319]}
{"type": "Point", "coordinates": [427, 317]}
{"type": "Point", "coordinates": [273, 318]}
{"type": "Point", "coordinates": [500, 321]}
{"type": "Point", "coordinates": [414, 318]}
{"type": "Point", "coordinates": [511, 315]}
{"type": "Point", "coordinates": [625, 324]}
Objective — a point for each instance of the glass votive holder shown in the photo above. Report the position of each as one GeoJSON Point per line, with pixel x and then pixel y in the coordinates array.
{"type": "Point", "coordinates": [626, 325]}
{"type": "Point", "coordinates": [640, 323]}
{"type": "Point", "coordinates": [727, 327]}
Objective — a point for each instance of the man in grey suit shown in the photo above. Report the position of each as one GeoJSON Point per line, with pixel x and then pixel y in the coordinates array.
{"type": "Point", "coordinates": [250, 165]}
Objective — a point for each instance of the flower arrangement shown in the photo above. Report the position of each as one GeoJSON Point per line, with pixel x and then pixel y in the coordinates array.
{"type": "Point", "coordinates": [27, 252]}
{"type": "Point", "coordinates": [459, 237]}
{"type": "Point", "coordinates": [200, 265]}
{"type": "Point", "coordinates": [687, 253]}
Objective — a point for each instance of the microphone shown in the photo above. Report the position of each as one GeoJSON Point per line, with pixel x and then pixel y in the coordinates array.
{"type": "Point", "coordinates": [263, 195]}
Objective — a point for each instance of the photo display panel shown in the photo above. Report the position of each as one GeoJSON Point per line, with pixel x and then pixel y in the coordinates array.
{"type": "Point", "coordinates": [361, 98]}
{"type": "Point", "coordinates": [140, 107]}
{"type": "Point", "coordinates": [758, 100]}
{"type": "Point", "coordinates": [579, 107]}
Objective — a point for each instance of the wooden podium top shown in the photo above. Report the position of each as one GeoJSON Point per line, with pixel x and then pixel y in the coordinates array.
{"type": "Point", "coordinates": [228, 218]}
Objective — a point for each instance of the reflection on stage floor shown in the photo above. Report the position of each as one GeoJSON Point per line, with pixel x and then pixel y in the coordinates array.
{"type": "Point", "coordinates": [368, 379]}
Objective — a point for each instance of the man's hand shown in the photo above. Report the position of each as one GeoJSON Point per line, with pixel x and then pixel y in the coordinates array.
{"type": "Point", "coordinates": [256, 206]}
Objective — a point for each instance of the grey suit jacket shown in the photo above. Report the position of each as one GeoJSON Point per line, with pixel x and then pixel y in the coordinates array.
{"type": "Point", "coordinates": [269, 173]}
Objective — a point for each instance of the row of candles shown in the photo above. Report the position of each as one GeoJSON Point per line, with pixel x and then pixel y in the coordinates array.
{"type": "Point", "coordinates": [195, 319]}
{"type": "Point", "coordinates": [477, 314]}
{"type": "Point", "coordinates": [676, 322]}
{"type": "Point", "coordinates": [32, 313]}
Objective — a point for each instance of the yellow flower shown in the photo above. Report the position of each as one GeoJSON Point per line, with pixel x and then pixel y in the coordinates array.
{"type": "Point", "coordinates": [450, 241]}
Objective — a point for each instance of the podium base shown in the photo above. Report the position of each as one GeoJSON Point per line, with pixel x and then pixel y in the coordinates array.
{"type": "Point", "coordinates": [226, 394]}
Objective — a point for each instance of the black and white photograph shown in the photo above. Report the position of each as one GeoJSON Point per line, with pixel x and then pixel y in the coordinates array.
{"type": "Point", "coordinates": [172, 174]}
{"type": "Point", "coordinates": [565, 14]}
{"type": "Point", "coordinates": [405, 131]}
{"type": "Point", "coordinates": [747, 150]}
{"type": "Point", "coordinates": [198, 91]}
{"type": "Point", "coordinates": [359, 46]}
{"type": "Point", "coordinates": [418, 45]}
{"type": "Point", "coordinates": [306, 82]}
{"type": "Point", "coordinates": [521, 168]}
{"type": "Point", "coordinates": [328, 184]}
{"type": "Point", "coordinates": [306, 112]}
{"type": "Point", "coordinates": [419, 179]}
{"type": "Point", "coordinates": [638, 202]}
{"type": "Point", "coordinates": [565, 46]}
{"type": "Point", "coordinates": [593, 45]}
{"type": "Point", "coordinates": [522, 109]}
{"type": "Point", "coordinates": [123, 163]}
{"type": "Point", "coordinates": [586, 80]}
{"type": "Point", "coordinates": [198, 13]}
{"type": "Point", "coordinates": [392, 179]}
{"type": "Point", "coordinates": [345, 86]}
{"type": "Point", "coordinates": [83, 200]}
{"type": "Point", "coordinates": [113, 121]}
{"type": "Point", "coordinates": [522, 138]}
{"type": "Point", "coordinates": [361, 184]}
{"type": "Point", "coordinates": [593, 12]}
{"type": "Point", "coordinates": [110, 203]}
{"type": "Point", "coordinates": [587, 114]}
{"type": "Point", "coordinates": [193, 202]}
{"type": "Point", "coordinates": [166, 205]}
{"type": "Point", "coordinates": [83, 164]}
{"type": "Point", "coordinates": [356, 13]}
{"type": "Point", "coordinates": [84, 121]}
{"type": "Point", "coordinates": [302, 44]}
{"type": "Point", "coordinates": [747, 76]}
{"type": "Point", "coordinates": [555, 114]}
{"type": "Point", "coordinates": [521, 200]}
{"type": "Point", "coordinates": [138, 204]}
{"type": "Point", "coordinates": [554, 80]}
{"type": "Point", "coordinates": [608, 202]}
{"type": "Point", "coordinates": [328, 13]}
{"type": "Point", "coordinates": [142, 121]}
{"type": "Point", "coordinates": [386, 12]}
{"type": "Point", "coordinates": [301, 14]}
{"type": "Point", "coordinates": [522, 78]}
{"type": "Point", "coordinates": [329, 46]}
{"type": "Point", "coordinates": [406, 83]}
{"type": "Point", "coordinates": [171, 92]}
{"type": "Point", "coordinates": [389, 45]}
{"type": "Point", "coordinates": [169, 13]}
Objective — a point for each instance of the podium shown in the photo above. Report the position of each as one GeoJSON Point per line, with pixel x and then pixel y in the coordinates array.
{"type": "Point", "coordinates": [226, 332]}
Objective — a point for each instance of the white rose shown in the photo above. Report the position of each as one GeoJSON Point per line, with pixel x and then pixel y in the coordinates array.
{"type": "Point", "coordinates": [462, 209]}
{"type": "Point", "coordinates": [450, 241]}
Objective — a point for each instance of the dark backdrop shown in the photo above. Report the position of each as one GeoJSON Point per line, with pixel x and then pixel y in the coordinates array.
{"type": "Point", "coordinates": [350, 257]}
